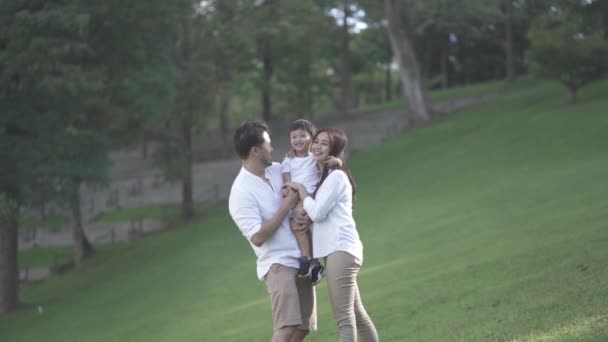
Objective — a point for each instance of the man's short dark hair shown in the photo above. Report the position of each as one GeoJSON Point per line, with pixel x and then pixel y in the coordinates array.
{"type": "Point", "coordinates": [248, 135]}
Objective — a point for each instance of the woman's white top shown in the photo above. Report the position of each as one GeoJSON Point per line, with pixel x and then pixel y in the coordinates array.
{"type": "Point", "coordinates": [303, 170]}
{"type": "Point", "coordinates": [332, 214]}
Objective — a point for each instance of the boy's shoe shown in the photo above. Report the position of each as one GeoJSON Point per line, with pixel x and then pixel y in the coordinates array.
{"type": "Point", "coordinates": [317, 274]}
{"type": "Point", "coordinates": [306, 266]}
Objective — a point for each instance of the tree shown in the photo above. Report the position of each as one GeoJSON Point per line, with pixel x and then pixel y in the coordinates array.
{"type": "Point", "coordinates": [46, 73]}
{"type": "Point", "coordinates": [269, 15]}
{"type": "Point", "coordinates": [567, 49]}
{"type": "Point", "coordinates": [67, 71]}
{"type": "Point", "coordinates": [9, 272]}
{"type": "Point", "coordinates": [509, 63]}
{"type": "Point", "coordinates": [345, 60]}
{"type": "Point", "coordinates": [372, 54]}
{"type": "Point", "coordinates": [302, 57]}
{"type": "Point", "coordinates": [401, 42]}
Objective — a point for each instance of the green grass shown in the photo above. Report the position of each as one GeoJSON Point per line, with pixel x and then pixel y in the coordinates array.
{"type": "Point", "coordinates": [489, 225]}
{"type": "Point", "coordinates": [168, 212]}
{"type": "Point", "coordinates": [44, 257]}
{"type": "Point", "coordinates": [52, 222]}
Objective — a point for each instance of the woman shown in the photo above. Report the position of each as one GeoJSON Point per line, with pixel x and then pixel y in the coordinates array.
{"type": "Point", "coordinates": [335, 236]}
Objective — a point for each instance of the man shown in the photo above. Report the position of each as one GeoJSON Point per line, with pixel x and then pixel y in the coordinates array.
{"type": "Point", "coordinates": [261, 213]}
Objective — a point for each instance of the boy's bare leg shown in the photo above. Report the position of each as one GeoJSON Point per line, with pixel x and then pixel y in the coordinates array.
{"type": "Point", "coordinates": [302, 237]}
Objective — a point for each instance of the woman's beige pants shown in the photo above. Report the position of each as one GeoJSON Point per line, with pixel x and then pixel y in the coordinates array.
{"type": "Point", "coordinates": [350, 315]}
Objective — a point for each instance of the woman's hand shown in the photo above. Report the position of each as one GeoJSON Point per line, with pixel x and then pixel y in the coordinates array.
{"type": "Point", "coordinates": [295, 186]}
{"type": "Point", "coordinates": [299, 188]}
{"type": "Point", "coordinates": [333, 162]}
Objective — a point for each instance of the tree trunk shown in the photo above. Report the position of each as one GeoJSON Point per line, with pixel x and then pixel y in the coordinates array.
{"type": "Point", "coordinates": [572, 95]}
{"type": "Point", "coordinates": [509, 64]}
{"type": "Point", "coordinates": [411, 78]}
{"type": "Point", "coordinates": [307, 91]}
{"type": "Point", "coordinates": [9, 271]}
{"type": "Point", "coordinates": [427, 59]}
{"type": "Point", "coordinates": [310, 104]}
{"type": "Point", "coordinates": [605, 20]}
{"type": "Point", "coordinates": [266, 52]}
{"type": "Point", "coordinates": [187, 184]}
{"type": "Point", "coordinates": [224, 95]}
{"type": "Point", "coordinates": [604, 9]}
{"type": "Point", "coordinates": [345, 80]}
{"type": "Point", "coordinates": [388, 85]}
{"type": "Point", "coordinates": [144, 146]}
{"type": "Point", "coordinates": [444, 66]}
{"type": "Point", "coordinates": [186, 126]}
{"type": "Point", "coordinates": [82, 246]}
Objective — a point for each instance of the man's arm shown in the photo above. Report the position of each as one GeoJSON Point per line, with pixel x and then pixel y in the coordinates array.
{"type": "Point", "coordinates": [271, 226]}
{"type": "Point", "coordinates": [286, 177]}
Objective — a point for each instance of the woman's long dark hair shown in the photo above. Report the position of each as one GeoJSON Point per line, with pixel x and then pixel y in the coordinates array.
{"type": "Point", "coordinates": [337, 146]}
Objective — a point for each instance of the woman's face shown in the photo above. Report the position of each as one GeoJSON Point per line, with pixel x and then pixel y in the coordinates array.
{"type": "Point", "coordinates": [320, 147]}
{"type": "Point", "coordinates": [300, 141]}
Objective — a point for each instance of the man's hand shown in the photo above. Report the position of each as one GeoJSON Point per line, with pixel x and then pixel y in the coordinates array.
{"type": "Point", "coordinates": [291, 198]}
{"type": "Point", "coordinates": [294, 186]}
{"type": "Point", "coordinates": [270, 227]}
{"type": "Point", "coordinates": [284, 191]}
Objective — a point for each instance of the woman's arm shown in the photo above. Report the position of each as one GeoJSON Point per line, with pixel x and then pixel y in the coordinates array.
{"type": "Point", "coordinates": [327, 196]}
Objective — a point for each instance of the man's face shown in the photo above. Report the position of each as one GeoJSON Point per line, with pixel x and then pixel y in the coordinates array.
{"type": "Point", "coordinates": [265, 151]}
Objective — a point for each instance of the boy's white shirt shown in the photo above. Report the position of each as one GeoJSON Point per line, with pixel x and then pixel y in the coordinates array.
{"type": "Point", "coordinates": [303, 170]}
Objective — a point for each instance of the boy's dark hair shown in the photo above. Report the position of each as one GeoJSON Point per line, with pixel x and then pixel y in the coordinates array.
{"type": "Point", "coordinates": [248, 135]}
{"type": "Point", "coordinates": [303, 125]}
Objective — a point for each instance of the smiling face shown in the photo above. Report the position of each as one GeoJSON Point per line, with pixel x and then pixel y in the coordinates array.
{"type": "Point", "coordinates": [300, 141]}
{"type": "Point", "coordinates": [321, 146]}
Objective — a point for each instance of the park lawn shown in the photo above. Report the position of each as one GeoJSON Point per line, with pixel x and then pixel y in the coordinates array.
{"type": "Point", "coordinates": [51, 222]}
{"type": "Point", "coordinates": [153, 211]}
{"type": "Point", "coordinates": [170, 212]}
{"type": "Point", "coordinates": [489, 225]}
{"type": "Point", "coordinates": [45, 257]}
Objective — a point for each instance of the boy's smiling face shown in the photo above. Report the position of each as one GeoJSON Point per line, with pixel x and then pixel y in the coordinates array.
{"type": "Point", "coordinates": [300, 141]}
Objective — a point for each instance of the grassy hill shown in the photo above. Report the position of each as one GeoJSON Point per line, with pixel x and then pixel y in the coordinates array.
{"type": "Point", "coordinates": [489, 225]}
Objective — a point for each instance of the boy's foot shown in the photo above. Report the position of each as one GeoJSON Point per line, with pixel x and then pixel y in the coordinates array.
{"type": "Point", "coordinates": [317, 274]}
{"type": "Point", "coordinates": [305, 267]}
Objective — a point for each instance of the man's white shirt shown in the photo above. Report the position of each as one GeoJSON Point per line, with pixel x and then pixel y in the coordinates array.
{"type": "Point", "coordinates": [253, 202]}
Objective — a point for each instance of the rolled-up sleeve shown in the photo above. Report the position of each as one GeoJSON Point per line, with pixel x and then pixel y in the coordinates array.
{"type": "Point", "coordinates": [327, 197]}
{"type": "Point", "coordinates": [245, 213]}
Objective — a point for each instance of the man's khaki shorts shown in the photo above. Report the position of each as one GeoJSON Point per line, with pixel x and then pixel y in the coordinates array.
{"type": "Point", "coordinates": [293, 299]}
